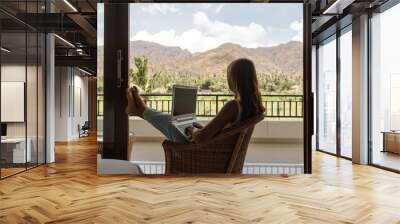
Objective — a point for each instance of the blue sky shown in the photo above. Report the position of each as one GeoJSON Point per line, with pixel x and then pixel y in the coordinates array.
{"type": "Point", "coordinates": [198, 27]}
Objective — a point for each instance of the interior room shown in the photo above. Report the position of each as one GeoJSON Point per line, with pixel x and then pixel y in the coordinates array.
{"type": "Point", "coordinates": [22, 99]}
{"type": "Point", "coordinates": [25, 64]}
{"type": "Point", "coordinates": [209, 111]}
{"type": "Point", "coordinates": [72, 103]}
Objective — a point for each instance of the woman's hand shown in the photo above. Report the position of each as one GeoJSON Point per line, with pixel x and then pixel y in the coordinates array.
{"type": "Point", "coordinates": [197, 125]}
{"type": "Point", "coordinates": [190, 130]}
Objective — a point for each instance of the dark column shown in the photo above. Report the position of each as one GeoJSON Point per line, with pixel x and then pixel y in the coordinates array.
{"type": "Point", "coordinates": [116, 38]}
{"type": "Point", "coordinates": [92, 101]}
{"type": "Point", "coordinates": [308, 95]}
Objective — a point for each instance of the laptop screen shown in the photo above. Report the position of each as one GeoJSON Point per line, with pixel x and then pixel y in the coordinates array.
{"type": "Point", "coordinates": [184, 101]}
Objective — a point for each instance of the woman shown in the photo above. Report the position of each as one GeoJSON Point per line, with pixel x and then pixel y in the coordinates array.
{"type": "Point", "coordinates": [242, 81]}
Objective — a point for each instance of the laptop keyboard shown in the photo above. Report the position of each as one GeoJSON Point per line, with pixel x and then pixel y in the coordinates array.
{"type": "Point", "coordinates": [182, 127]}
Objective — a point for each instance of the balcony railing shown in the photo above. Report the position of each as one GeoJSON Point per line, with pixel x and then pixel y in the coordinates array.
{"type": "Point", "coordinates": [208, 105]}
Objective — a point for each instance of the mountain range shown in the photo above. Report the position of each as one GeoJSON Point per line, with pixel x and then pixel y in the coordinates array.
{"type": "Point", "coordinates": [284, 59]}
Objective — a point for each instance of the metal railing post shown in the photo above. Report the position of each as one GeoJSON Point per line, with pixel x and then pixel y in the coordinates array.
{"type": "Point", "coordinates": [216, 108]}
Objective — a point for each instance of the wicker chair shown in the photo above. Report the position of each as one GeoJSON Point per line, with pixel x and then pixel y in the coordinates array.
{"type": "Point", "coordinates": [224, 154]}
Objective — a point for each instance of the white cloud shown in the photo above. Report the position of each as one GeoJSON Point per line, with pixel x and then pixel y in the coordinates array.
{"type": "Point", "coordinates": [207, 34]}
{"type": "Point", "coordinates": [206, 5]}
{"type": "Point", "coordinates": [212, 6]}
{"type": "Point", "coordinates": [219, 7]}
{"type": "Point", "coordinates": [252, 35]}
{"type": "Point", "coordinates": [297, 27]}
{"type": "Point", "coordinates": [159, 8]}
{"type": "Point", "coordinates": [192, 40]}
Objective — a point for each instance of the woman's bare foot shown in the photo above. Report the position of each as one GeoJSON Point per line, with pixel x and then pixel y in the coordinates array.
{"type": "Point", "coordinates": [132, 109]}
{"type": "Point", "coordinates": [140, 104]}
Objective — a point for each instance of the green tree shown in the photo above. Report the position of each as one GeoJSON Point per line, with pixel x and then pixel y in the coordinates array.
{"type": "Point", "coordinates": [140, 76]}
{"type": "Point", "coordinates": [206, 84]}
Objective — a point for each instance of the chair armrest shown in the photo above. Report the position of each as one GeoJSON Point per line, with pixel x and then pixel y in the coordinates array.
{"type": "Point", "coordinates": [185, 146]}
{"type": "Point", "coordinates": [195, 158]}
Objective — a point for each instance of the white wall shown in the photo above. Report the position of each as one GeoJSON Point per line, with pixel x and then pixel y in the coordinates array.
{"type": "Point", "coordinates": [80, 83]}
{"type": "Point", "coordinates": [266, 131]}
{"type": "Point", "coordinates": [62, 81]}
{"type": "Point", "coordinates": [71, 102]}
{"type": "Point", "coordinates": [33, 126]}
{"type": "Point", "coordinates": [14, 73]}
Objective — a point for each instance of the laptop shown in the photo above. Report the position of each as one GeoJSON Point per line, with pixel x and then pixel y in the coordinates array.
{"type": "Point", "coordinates": [184, 101]}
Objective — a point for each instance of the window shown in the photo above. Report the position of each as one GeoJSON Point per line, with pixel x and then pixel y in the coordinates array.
{"type": "Point", "coordinates": [327, 96]}
{"type": "Point", "coordinates": [385, 88]}
{"type": "Point", "coordinates": [346, 93]}
{"type": "Point", "coordinates": [22, 65]}
{"type": "Point", "coordinates": [334, 101]}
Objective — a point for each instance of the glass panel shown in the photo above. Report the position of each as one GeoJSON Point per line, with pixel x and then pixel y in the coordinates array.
{"type": "Point", "coordinates": [100, 73]}
{"type": "Point", "coordinates": [385, 84]}
{"type": "Point", "coordinates": [314, 90]}
{"type": "Point", "coordinates": [13, 86]}
{"type": "Point", "coordinates": [32, 88]}
{"type": "Point", "coordinates": [22, 89]}
{"type": "Point", "coordinates": [327, 96]}
{"type": "Point", "coordinates": [346, 94]}
{"type": "Point", "coordinates": [41, 98]}
{"type": "Point", "coordinates": [31, 98]}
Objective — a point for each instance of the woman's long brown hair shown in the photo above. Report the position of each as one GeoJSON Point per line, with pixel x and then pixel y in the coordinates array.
{"type": "Point", "coordinates": [242, 80]}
